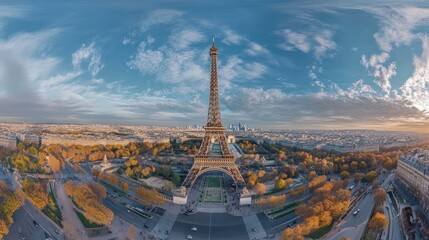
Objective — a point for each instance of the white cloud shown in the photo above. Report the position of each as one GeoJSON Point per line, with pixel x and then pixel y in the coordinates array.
{"type": "Point", "coordinates": [88, 54]}
{"type": "Point", "coordinates": [146, 60]}
{"type": "Point", "coordinates": [184, 38]}
{"type": "Point", "coordinates": [318, 42]}
{"type": "Point", "coordinates": [236, 69]}
{"type": "Point", "coordinates": [256, 49]}
{"type": "Point", "coordinates": [231, 38]}
{"type": "Point", "coordinates": [313, 71]}
{"type": "Point", "coordinates": [416, 88]}
{"type": "Point", "coordinates": [161, 16]}
{"type": "Point", "coordinates": [295, 40]}
{"type": "Point", "coordinates": [381, 73]}
{"type": "Point", "coordinates": [357, 107]}
{"type": "Point", "coordinates": [397, 25]}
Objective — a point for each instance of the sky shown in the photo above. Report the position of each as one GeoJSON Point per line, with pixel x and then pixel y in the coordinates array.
{"type": "Point", "coordinates": [295, 64]}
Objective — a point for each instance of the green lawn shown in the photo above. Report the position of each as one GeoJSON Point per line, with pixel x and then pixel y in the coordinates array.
{"type": "Point", "coordinates": [86, 223]}
{"type": "Point", "coordinates": [281, 208]}
{"type": "Point", "coordinates": [52, 211]}
{"type": "Point", "coordinates": [320, 232]}
{"type": "Point", "coordinates": [284, 213]}
{"type": "Point", "coordinates": [212, 182]}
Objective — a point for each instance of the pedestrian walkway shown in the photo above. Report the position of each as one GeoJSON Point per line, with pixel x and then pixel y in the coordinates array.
{"type": "Point", "coordinates": [254, 227]}
{"type": "Point", "coordinates": [164, 225]}
{"type": "Point", "coordinates": [74, 227]}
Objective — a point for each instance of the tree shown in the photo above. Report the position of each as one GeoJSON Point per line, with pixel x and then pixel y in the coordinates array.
{"type": "Point", "coordinates": [345, 174]}
{"type": "Point", "coordinates": [95, 172]}
{"type": "Point", "coordinates": [363, 166]}
{"type": "Point", "coordinates": [251, 179]}
{"type": "Point", "coordinates": [379, 197]}
{"type": "Point", "coordinates": [146, 172]}
{"type": "Point", "coordinates": [36, 192]}
{"type": "Point", "coordinates": [113, 179]}
{"type": "Point", "coordinates": [261, 173]}
{"type": "Point", "coordinates": [124, 186]}
{"type": "Point", "coordinates": [131, 232]}
{"type": "Point", "coordinates": [353, 166]}
{"type": "Point", "coordinates": [93, 209]}
{"type": "Point", "coordinates": [70, 187]}
{"type": "Point", "coordinates": [129, 171]}
{"type": "Point", "coordinates": [376, 225]}
{"type": "Point", "coordinates": [168, 186]}
{"type": "Point", "coordinates": [369, 177]}
{"type": "Point", "coordinates": [98, 189]}
{"type": "Point", "coordinates": [312, 175]}
{"type": "Point", "coordinates": [357, 177]}
{"type": "Point", "coordinates": [316, 182]}
{"type": "Point", "coordinates": [260, 189]}
{"type": "Point", "coordinates": [272, 201]}
{"type": "Point", "coordinates": [280, 184]}
{"type": "Point", "coordinates": [176, 179]}
{"type": "Point", "coordinates": [149, 197]}
{"type": "Point", "coordinates": [33, 151]}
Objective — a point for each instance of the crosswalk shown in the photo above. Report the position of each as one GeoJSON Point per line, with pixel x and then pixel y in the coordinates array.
{"type": "Point", "coordinates": [164, 225]}
{"type": "Point", "coordinates": [254, 227]}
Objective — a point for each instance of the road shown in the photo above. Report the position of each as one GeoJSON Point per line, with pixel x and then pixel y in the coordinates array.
{"type": "Point", "coordinates": [23, 223]}
{"type": "Point", "coordinates": [209, 226]}
{"type": "Point", "coordinates": [130, 217]}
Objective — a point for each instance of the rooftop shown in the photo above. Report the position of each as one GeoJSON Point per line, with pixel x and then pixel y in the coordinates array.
{"type": "Point", "coordinates": [419, 159]}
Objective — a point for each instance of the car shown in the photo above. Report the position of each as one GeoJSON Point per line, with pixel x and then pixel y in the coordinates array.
{"type": "Point", "coordinates": [146, 225]}
{"type": "Point", "coordinates": [56, 231]}
{"type": "Point", "coordinates": [358, 210]}
{"type": "Point", "coordinates": [355, 213]}
{"type": "Point", "coordinates": [21, 236]}
{"type": "Point", "coordinates": [189, 237]}
{"type": "Point", "coordinates": [194, 229]}
{"type": "Point", "coordinates": [128, 210]}
{"type": "Point", "coordinates": [35, 223]}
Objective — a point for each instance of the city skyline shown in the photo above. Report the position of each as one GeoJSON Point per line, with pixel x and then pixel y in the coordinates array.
{"type": "Point", "coordinates": [296, 65]}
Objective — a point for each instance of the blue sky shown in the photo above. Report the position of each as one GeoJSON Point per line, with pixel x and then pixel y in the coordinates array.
{"type": "Point", "coordinates": [282, 64]}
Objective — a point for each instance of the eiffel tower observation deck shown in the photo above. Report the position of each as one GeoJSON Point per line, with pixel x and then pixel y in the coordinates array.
{"type": "Point", "coordinates": [214, 154]}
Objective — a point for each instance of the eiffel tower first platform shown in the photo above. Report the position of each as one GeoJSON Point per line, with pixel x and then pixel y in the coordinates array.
{"type": "Point", "coordinates": [214, 154]}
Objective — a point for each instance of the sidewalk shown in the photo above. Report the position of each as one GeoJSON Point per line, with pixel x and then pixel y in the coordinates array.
{"type": "Point", "coordinates": [73, 227]}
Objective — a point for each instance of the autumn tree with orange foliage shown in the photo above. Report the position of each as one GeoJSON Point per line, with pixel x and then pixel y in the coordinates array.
{"type": "Point", "coordinates": [149, 197]}
{"type": "Point", "coordinates": [9, 203]}
{"type": "Point", "coordinates": [316, 182]}
{"type": "Point", "coordinates": [379, 199]}
{"type": "Point", "coordinates": [98, 189]}
{"type": "Point", "coordinates": [272, 201]}
{"type": "Point", "coordinates": [329, 202]}
{"type": "Point", "coordinates": [260, 189]}
{"type": "Point", "coordinates": [36, 192]}
{"type": "Point", "coordinates": [124, 186]}
{"type": "Point", "coordinates": [88, 197]}
{"type": "Point", "coordinates": [376, 225]}
{"type": "Point", "coordinates": [69, 187]}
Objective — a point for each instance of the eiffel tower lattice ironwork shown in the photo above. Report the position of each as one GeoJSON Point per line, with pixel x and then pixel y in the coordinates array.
{"type": "Point", "coordinates": [214, 154]}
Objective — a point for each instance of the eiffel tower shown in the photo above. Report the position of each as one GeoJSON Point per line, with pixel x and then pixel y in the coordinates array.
{"type": "Point", "coordinates": [214, 154]}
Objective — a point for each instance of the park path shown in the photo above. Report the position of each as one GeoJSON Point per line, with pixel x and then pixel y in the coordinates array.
{"type": "Point", "coordinates": [73, 227]}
